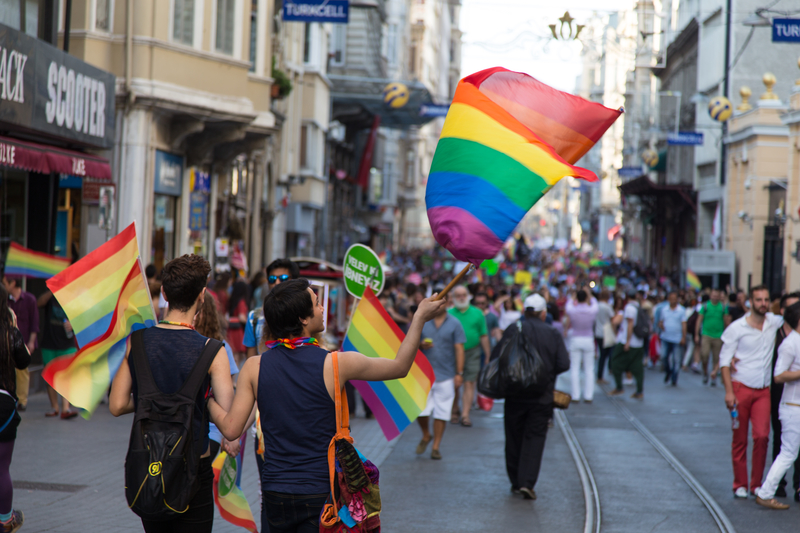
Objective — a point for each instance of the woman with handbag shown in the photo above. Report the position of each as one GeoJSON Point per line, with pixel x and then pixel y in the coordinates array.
{"type": "Point", "coordinates": [293, 383]}
{"type": "Point", "coordinates": [604, 334]}
{"type": "Point", "coordinates": [13, 355]}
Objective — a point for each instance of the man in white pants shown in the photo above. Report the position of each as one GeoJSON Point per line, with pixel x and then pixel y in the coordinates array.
{"type": "Point", "coordinates": [787, 371]}
{"type": "Point", "coordinates": [581, 311]}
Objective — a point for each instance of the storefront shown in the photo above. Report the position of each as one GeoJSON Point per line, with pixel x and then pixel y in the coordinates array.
{"type": "Point", "coordinates": [53, 107]}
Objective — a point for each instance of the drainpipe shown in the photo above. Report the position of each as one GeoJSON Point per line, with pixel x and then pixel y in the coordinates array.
{"type": "Point", "coordinates": [131, 98]}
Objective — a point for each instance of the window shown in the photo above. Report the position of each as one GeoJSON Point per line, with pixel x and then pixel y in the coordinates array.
{"type": "Point", "coordinates": [391, 52]}
{"type": "Point", "coordinates": [307, 44]}
{"type": "Point", "coordinates": [338, 44]}
{"type": "Point", "coordinates": [412, 59]}
{"type": "Point", "coordinates": [102, 15]}
{"type": "Point", "coordinates": [183, 21]}
{"type": "Point", "coordinates": [304, 145]}
{"type": "Point", "coordinates": [452, 51]}
{"type": "Point", "coordinates": [21, 14]}
{"type": "Point", "coordinates": [253, 34]}
{"type": "Point", "coordinates": [225, 25]}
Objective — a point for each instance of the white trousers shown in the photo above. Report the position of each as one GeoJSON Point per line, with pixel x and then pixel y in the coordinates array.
{"type": "Point", "coordinates": [581, 350]}
{"type": "Point", "coordinates": [790, 445]}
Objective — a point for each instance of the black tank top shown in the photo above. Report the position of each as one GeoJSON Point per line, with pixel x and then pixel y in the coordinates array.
{"type": "Point", "coordinates": [298, 420]}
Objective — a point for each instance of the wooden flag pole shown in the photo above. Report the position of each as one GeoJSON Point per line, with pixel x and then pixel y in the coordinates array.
{"type": "Point", "coordinates": [453, 283]}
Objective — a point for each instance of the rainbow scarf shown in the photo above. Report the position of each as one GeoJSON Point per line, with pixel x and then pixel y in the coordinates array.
{"type": "Point", "coordinates": [106, 297]}
{"type": "Point", "coordinates": [292, 343]}
{"type": "Point", "coordinates": [394, 403]}
{"type": "Point", "coordinates": [229, 498]}
{"type": "Point", "coordinates": [21, 261]}
{"type": "Point", "coordinates": [493, 161]}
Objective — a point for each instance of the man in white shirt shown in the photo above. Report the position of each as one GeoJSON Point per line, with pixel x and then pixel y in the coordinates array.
{"type": "Point", "coordinates": [787, 371]}
{"type": "Point", "coordinates": [629, 351]}
{"type": "Point", "coordinates": [746, 363]}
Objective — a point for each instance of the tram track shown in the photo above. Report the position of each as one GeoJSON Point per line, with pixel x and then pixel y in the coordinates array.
{"type": "Point", "coordinates": [591, 495]}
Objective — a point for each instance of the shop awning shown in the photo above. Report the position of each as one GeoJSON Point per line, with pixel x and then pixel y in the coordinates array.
{"type": "Point", "coordinates": [49, 159]}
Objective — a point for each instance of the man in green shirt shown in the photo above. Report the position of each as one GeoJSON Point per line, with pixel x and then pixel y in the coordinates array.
{"type": "Point", "coordinates": [710, 323]}
{"type": "Point", "coordinates": [474, 324]}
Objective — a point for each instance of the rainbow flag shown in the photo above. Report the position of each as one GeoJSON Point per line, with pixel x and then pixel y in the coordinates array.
{"type": "Point", "coordinates": [580, 263]}
{"type": "Point", "coordinates": [492, 165]}
{"type": "Point", "coordinates": [229, 498]}
{"type": "Point", "coordinates": [395, 403]}
{"type": "Point", "coordinates": [598, 263]}
{"type": "Point", "coordinates": [692, 280]}
{"type": "Point", "coordinates": [21, 261]}
{"type": "Point", "coordinates": [106, 297]}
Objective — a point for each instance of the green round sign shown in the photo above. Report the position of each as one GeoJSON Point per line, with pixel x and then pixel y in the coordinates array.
{"type": "Point", "coordinates": [227, 476]}
{"type": "Point", "coordinates": [362, 267]}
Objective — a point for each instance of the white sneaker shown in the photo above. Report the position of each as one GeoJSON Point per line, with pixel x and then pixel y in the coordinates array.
{"type": "Point", "coordinates": [741, 492]}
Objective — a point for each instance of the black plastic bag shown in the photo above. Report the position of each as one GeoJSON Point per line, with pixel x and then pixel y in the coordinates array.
{"type": "Point", "coordinates": [515, 368]}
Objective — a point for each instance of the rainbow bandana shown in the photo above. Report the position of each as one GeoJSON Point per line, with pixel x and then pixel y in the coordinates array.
{"type": "Point", "coordinates": [293, 343]}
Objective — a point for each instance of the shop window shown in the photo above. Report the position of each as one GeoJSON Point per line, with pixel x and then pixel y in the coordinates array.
{"type": "Point", "coordinates": [304, 131]}
{"type": "Point", "coordinates": [338, 44]}
{"type": "Point", "coordinates": [225, 25]}
{"type": "Point", "coordinates": [102, 15]}
{"type": "Point", "coordinates": [183, 22]}
{"type": "Point", "coordinates": [163, 230]}
{"type": "Point", "coordinates": [12, 206]}
{"type": "Point", "coordinates": [21, 14]}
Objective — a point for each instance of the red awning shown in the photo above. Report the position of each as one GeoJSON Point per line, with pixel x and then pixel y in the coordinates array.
{"type": "Point", "coordinates": [49, 159]}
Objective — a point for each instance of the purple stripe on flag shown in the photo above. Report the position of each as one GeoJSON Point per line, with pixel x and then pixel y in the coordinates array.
{"type": "Point", "coordinates": [385, 421]}
{"type": "Point", "coordinates": [467, 238]}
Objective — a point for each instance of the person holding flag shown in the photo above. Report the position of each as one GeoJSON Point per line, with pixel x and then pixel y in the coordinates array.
{"type": "Point", "coordinates": [292, 384]}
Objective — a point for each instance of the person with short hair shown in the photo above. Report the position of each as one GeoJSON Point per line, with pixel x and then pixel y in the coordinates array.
{"type": "Point", "coordinates": [629, 351]}
{"type": "Point", "coordinates": [443, 339]}
{"type": "Point", "coordinates": [745, 360]}
{"type": "Point", "coordinates": [526, 415]}
{"type": "Point", "coordinates": [602, 322]}
{"type": "Point", "coordinates": [172, 349]}
{"type": "Point", "coordinates": [672, 323]}
{"type": "Point", "coordinates": [278, 271]}
{"type": "Point", "coordinates": [711, 324]}
{"type": "Point", "coordinates": [293, 385]}
{"type": "Point", "coordinates": [786, 373]}
{"type": "Point", "coordinates": [476, 349]}
{"type": "Point", "coordinates": [734, 310]}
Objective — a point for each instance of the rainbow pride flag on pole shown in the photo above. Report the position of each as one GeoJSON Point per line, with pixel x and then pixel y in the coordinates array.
{"type": "Point", "coordinates": [692, 280]}
{"type": "Point", "coordinates": [230, 499]}
{"type": "Point", "coordinates": [21, 261]}
{"type": "Point", "coordinates": [106, 297]}
{"type": "Point", "coordinates": [396, 403]}
{"type": "Point", "coordinates": [494, 161]}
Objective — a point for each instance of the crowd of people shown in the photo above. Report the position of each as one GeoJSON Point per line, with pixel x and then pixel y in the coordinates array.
{"type": "Point", "coordinates": [585, 315]}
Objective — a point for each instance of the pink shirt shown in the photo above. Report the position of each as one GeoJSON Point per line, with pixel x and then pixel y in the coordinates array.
{"type": "Point", "coordinates": [581, 317]}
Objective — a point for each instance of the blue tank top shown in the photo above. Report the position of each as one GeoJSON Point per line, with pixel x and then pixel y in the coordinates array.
{"type": "Point", "coordinates": [298, 419]}
{"type": "Point", "coordinates": [172, 354]}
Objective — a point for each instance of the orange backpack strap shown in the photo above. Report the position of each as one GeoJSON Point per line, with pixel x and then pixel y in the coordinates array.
{"type": "Point", "coordinates": [330, 514]}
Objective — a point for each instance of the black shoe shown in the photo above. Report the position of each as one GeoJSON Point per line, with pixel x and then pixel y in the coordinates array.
{"type": "Point", "coordinates": [705, 380]}
{"type": "Point", "coordinates": [527, 493]}
{"type": "Point", "coordinates": [22, 408]}
{"type": "Point", "coordinates": [780, 492]}
{"type": "Point", "coordinates": [666, 377]}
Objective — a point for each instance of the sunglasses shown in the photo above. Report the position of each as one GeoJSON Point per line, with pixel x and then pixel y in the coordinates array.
{"type": "Point", "coordinates": [273, 279]}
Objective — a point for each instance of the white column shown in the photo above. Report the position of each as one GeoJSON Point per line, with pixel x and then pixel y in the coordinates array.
{"type": "Point", "coordinates": [135, 187]}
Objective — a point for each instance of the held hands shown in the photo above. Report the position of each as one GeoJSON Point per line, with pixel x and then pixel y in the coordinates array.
{"type": "Point", "coordinates": [232, 447]}
{"type": "Point", "coordinates": [428, 309]}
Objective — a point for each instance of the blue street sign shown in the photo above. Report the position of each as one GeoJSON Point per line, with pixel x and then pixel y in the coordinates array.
{"type": "Point", "coordinates": [432, 110]}
{"type": "Point", "coordinates": [335, 11]}
{"type": "Point", "coordinates": [685, 138]}
{"type": "Point", "coordinates": [786, 30]}
{"type": "Point", "coordinates": [630, 172]}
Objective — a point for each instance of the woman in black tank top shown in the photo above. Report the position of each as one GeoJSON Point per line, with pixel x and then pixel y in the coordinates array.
{"type": "Point", "coordinates": [296, 484]}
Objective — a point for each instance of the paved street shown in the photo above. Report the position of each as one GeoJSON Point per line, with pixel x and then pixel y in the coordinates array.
{"type": "Point", "coordinates": [69, 476]}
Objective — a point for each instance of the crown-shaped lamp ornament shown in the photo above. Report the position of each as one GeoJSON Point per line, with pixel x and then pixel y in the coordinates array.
{"type": "Point", "coordinates": [745, 93]}
{"type": "Point", "coordinates": [769, 81]}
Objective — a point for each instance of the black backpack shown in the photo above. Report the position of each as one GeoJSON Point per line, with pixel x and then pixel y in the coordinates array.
{"type": "Point", "coordinates": [642, 326]}
{"type": "Point", "coordinates": [162, 464]}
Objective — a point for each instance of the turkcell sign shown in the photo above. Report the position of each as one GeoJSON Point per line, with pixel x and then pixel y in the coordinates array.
{"type": "Point", "coordinates": [335, 11]}
{"type": "Point", "coordinates": [685, 138]}
{"type": "Point", "coordinates": [786, 30]}
{"type": "Point", "coordinates": [630, 172]}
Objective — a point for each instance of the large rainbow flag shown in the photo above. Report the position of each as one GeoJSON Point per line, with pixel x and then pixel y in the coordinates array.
{"type": "Point", "coordinates": [692, 280]}
{"type": "Point", "coordinates": [106, 297]}
{"type": "Point", "coordinates": [506, 141]}
{"type": "Point", "coordinates": [230, 499]}
{"type": "Point", "coordinates": [395, 403]}
{"type": "Point", "coordinates": [21, 261]}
